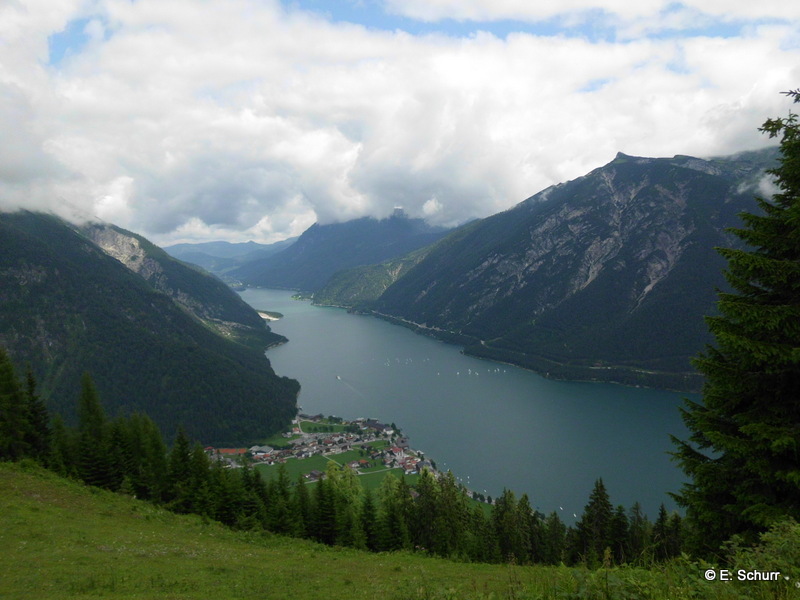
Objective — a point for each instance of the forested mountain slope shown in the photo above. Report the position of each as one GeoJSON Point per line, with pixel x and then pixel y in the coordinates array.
{"type": "Point", "coordinates": [149, 333]}
{"type": "Point", "coordinates": [204, 296]}
{"type": "Point", "coordinates": [323, 250]}
{"type": "Point", "coordinates": [604, 277]}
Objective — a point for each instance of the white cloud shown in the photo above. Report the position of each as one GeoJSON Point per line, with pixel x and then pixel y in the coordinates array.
{"type": "Point", "coordinates": [524, 10]}
{"type": "Point", "coordinates": [235, 119]}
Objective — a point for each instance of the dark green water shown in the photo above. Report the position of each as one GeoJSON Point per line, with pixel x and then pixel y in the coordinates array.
{"type": "Point", "coordinates": [493, 425]}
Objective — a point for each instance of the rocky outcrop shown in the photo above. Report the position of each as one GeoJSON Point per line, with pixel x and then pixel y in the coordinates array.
{"type": "Point", "coordinates": [204, 297]}
{"type": "Point", "coordinates": [604, 276]}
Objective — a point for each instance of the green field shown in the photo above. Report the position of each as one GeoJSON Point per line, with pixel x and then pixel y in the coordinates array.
{"type": "Point", "coordinates": [278, 441]}
{"type": "Point", "coordinates": [295, 467]}
{"type": "Point", "coordinates": [62, 540]}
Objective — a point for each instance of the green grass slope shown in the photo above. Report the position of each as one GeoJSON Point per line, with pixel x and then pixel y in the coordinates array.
{"type": "Point", "coordinates": [62, 540]}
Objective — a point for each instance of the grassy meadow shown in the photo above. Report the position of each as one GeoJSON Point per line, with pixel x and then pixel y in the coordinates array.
{"type": "Point", "coordinates": [62, 540]}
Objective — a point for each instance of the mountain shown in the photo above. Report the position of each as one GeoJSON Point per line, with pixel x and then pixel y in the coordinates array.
{"type": "Point", "coordinates": [221, 257]}
{"type": "Point", "coordinates": [322, 250]}
{"type": "Point", "coordinates": [606, 277]}
{"type": "Point", "coordinates": [358, 287]}
{"type": "Point", "coordinates": [207, 298]}
{"type": "Point", "coordinates": [221, 249]}
{"type": "Point", "coordinates": [156, 335]}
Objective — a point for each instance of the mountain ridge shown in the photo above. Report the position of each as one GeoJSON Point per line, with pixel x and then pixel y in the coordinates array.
{"type": "Point", "coordinates": [323, 250]}
{"type": "Point", "coordinates": [583, 279]}
{"type": "Point", "coordinates": [221, 257]}
{"type": "Point", "coordinates": [66, 306]}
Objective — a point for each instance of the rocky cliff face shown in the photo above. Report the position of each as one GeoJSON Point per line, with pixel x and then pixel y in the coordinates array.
{"type": "Point", "coordinates": [604, 277]}
{"type": "Point", "coordinates": [201, 295]}
{"type": "Point", "coordinates": [127, 249]}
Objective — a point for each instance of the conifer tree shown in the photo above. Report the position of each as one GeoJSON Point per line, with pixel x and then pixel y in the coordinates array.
{"type": "Point", "coordinates": [674, 535]}
{"type": "Point", "coordinates": [38, 434]}
{"type": "Point", "coordinates": [743, 455]}
{"type": "Point", "coordinates": [620, 535]}
{"type": "Point", "coordinates": [155, 461]}
{"type": "Point", "coordinates": [554, 535]}
{"type": "Point", "coordinates": [369, 521]}
{"type": "Point", "coordinates": [281, 516]}
{"type": "Point", "coordinates": [13, 412]}
{"type": "Point", "coordinates": [393, 516]}
{"type": "Point", "coordinates": [451, 516]}
{"type": "Point", "coordinates": [505, 519]}
{"type": "Point", "coordinates": [486, 548]}
{"type": "Point", "coordinates": [528, 523]}
{"type": "Point", "coordinates": [324, 513]}
{"type": "Point", "coordinates": [229, 495]}
{"type": "Point", "coordinates": [423, 525]}
{"type": "Point", "coordinates": [301, 506]}
{"type": "Point", "coordinates": [63, 458]}
{"type": "Point", "coordinates": [179, 491]}
{"type": "Point", "coordinates": [252, 512]}
{"type": "Point", "coordinates": [202, 494]}
{"type": "Point", "coordinates": [594, 528]}
{"type": "Point", "coordinates": [660, 534]}
{"type": "Point", "coordinates": [638, 535]}
{"type": "Point", "coordinates": [119, 454]}
{"type": "Point", "coordinates": [94, 462]}
{"type": "Point", "coordinates": [347, 498]}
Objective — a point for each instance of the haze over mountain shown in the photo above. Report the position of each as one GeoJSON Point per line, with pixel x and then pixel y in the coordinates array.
{"type": "Point", "coordinates": [322, 250]}
{"type": "Point", "coordinates": [605, 277]}
{"type": "Point", "coordinates": [221, 257]}
{"type": "Point", "coordinates": [156, 335]}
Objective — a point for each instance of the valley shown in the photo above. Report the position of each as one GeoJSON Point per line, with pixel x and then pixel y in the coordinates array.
{"type": "Point", "coordinates": [495, 426]}
{"type": "Point", "coordinates": [579, 281]}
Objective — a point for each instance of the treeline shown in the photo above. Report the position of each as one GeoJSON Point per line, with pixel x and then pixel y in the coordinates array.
{"type": "Point", "coordinates": [128, 455]}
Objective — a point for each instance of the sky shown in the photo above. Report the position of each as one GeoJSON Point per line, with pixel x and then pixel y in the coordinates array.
{"type": "Point", "coordinates": [199, 120]}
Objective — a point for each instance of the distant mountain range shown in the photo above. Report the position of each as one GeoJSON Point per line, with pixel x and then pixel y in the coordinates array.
{"type": "Point", "coordinates": [156, 335]}
{"type": "Point", "coordinates": [221, 257]}
{"type": "Point", "coordinates": [606, 277]}
{"type": "Point", "coordinates": [323, 250]}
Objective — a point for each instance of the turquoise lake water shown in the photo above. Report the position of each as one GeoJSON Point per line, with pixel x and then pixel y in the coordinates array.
{"type": "Point", "coordinates": [495, 426]}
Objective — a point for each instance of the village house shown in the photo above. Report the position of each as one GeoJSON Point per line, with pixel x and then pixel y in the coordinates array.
{"type": "Point", "coordinates": [258, 451]}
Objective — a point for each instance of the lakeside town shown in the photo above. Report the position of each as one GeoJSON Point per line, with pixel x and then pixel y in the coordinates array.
{"type": "Point", "coordinates": [365, 445]}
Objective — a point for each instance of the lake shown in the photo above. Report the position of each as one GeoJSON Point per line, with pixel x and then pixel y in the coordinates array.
{"type": "Point", "coordinates": [495, 426]}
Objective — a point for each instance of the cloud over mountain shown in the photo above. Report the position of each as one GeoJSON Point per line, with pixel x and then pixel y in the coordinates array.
{"type": "Point", "coordinates": [251, 119]}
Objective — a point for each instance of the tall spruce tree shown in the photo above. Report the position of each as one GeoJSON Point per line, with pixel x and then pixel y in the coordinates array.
{"type": "Point", "coordinates": [743, 454]}
{"type": "Point", "coordinates": [94, 461]}
{"type": "Point", "coordinates": [13, 412]}
{"type": "Point", "coordinates": [38, 434]}
{"type": "Point", "coordinates": [594, 528]}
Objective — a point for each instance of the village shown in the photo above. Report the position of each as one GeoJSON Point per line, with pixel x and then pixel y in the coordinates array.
{"type": "Point", "coordinates": [364, 445]}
